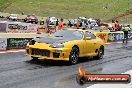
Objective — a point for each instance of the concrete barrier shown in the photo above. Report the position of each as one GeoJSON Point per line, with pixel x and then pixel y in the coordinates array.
{"type": "Point", "coordinates": [16, 40]}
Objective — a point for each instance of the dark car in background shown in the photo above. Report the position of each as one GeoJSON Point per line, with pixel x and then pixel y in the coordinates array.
{"type": "Point", "coordinates": [31, 19]}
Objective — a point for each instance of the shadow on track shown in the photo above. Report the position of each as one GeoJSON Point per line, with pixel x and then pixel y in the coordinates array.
{"type": "Point", "coordinates": [51, 63]}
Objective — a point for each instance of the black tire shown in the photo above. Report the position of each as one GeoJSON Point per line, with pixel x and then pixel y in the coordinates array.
{"type": "Point", "coordinates": [36, 22]}
{"type": "Point", "coordinates": [35, 59]}
{"type": "Point", "coordinates": [74, 56]}
{"type": "Point", "coordinates": [100, 54]}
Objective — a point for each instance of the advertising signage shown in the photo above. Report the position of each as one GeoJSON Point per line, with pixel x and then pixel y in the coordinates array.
{"type": "Point", "coordinates": [18, 27]}
{"type": "Point", "coordinates": [17, 43]}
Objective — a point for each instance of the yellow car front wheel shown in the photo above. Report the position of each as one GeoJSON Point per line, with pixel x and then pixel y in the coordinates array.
{"type": "Point", "coordinates": [74, 55]}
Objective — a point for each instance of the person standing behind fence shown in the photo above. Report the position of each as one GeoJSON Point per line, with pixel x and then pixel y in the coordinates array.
{"type": "Point", "coordinates": [42, 21]}
{"type": "Point", "coordinates": [116, 26]}
{"type": "Point", "coordinates": [83, 25]}
{"type": "Point", "coordinates": [125, 30]}
{"type": "Point", "coordinates": [113, 25]}
{"type": "Point", "coordinates": [78, 24]}
{"type": "Point", "coordinates": [56, 25]}
{"type": "Point", "coordinates": [61, 24]}
{"type": "Point", "coordinates": [48, 24]}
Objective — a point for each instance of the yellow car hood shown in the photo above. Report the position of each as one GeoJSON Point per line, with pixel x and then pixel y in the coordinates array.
{"type": "Point", "coordinates": [51, 40]}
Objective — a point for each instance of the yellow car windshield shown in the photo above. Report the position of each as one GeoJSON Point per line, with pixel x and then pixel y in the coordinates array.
{"type": "Point", "coordinates": [69, 34]}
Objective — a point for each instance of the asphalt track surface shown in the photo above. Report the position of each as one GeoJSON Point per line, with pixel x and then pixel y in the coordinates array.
{"type": "Point", "coordinates": [18, 71]}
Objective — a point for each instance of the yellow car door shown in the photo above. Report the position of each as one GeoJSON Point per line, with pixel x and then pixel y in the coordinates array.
{"type": "Point", "coordinates": [90, 44]}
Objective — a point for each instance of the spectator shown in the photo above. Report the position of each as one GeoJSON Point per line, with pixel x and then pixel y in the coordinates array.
{"type": "Point", "coordinates": [116, 26]}
{"type": "Point", "coordinates": [125, 30]}
{"type": "Point", "coordinates": [78, 24]}
{"type": "Point", "coordinates": [113, 24]}
{"type": "Point", "coordinates": [98, 21]}
{"type": "Point", "coordinates": [83, 25]}
{"type": "Point", "coordinates": [57, 23]}
{"type": "Point", "coordinates": [69, 23]}
{"type": "Point", "coordinates": [61, 24]}
{"type": "Point", "coordinates": [42, 21]}
{"type": "Point", "coordinates": [48, 24]}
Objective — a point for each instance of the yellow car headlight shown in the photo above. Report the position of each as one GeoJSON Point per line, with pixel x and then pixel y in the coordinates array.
{"type": "Point", "coordinates": [58, 51]}
{"type": "Point", "coordinates": [56, 45]}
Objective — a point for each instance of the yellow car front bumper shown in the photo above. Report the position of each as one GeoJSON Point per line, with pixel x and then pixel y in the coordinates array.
{"type": "Point", "coordinates": [51, 54]}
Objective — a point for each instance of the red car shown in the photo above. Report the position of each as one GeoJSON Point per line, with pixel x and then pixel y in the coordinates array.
{"type": "Point", "coordinates": [31, 19]}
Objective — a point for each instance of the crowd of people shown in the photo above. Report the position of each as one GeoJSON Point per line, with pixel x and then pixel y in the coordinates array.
{"type": "Point", "coordinates": [125, 28]}
{"type": "Point", "coordinates": [86, 23]}
{"type": "Point", "coordinates": [83, 22]}
{"type": "Point", "coordinates": [80, 22]}
{"type": "Point", "coordinates": [118, 27]}
{"type": "Point", "coordinates": [58, 25]}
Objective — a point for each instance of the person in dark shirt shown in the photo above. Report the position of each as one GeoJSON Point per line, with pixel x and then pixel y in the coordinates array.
{"type": "Point", "coordinates": [125, 30]}
{"type": "Point", "coordinates": [48, 24]}
{"type": "Point", "coordinates": [56, 25]}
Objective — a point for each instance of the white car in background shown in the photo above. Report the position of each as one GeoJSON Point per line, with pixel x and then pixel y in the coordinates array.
{"type": "Point", "coordinates": [53, 20]}
{"type": "Point", "coordinates": [83, 18]}
{"type": "Point", "coordinates": [13, 17]}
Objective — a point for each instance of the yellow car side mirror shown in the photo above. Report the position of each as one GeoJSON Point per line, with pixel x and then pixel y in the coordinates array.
{"type": "Point", "coordinates": [87, 38]}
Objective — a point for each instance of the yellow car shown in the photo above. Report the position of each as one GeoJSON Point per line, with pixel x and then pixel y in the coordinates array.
{"type": "Point", "coordinates": [67, 45]}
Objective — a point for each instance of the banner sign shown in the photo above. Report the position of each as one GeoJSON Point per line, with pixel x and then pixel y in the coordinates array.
{"type": "Point", "coordinates": [113, 37]}
{"type": "Point", "coordinates": [3, 44]}
{"type": "Point", "coordinates": [130, 36]}
{"type": "Point", "coordinates": [18, 27]}
{"type": "Point", "coordinates": [17, 43]}
{"type": "Point", "coordinates": [21, 28]}
{"type": "Point", "coordinates": [102, 35]}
